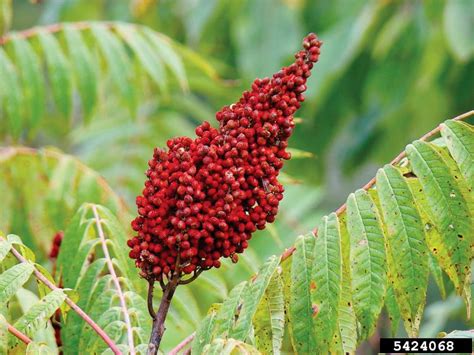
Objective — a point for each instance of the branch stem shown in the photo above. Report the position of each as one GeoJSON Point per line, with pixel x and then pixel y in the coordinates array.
{"type": "Point", "coordinates": [53, 28]}
{"type": "Point", "coordinates": [159, 321]}
{"type": "Point", "coordinates": [182, 345]}
{"type": "Point", "coordinates": [23, 337]}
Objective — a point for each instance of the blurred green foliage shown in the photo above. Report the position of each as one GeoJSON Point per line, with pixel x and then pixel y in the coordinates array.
{"type": "Point", "coordinates": [389, 72]}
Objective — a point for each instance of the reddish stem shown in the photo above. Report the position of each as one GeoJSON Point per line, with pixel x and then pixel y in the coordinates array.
{"type": "Point", "coordinates": [23, 337]}
{"type": "Point", "coordinates": [159, 321]}
{"type": "Point", "coordinates": [53, 28]}
{"type": "Point", "coordinates": [182, 345]}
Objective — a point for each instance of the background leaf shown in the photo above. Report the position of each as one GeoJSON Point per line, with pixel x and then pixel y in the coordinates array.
{"type": "Point", "coordinates": [5, 15]}
{"type": "Point", "coordinates": [59, 72]}
{"type": "Point", "coordinates": [458, 23]}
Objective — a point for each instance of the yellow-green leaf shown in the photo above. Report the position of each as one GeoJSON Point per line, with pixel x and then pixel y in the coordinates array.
{"type": "Point", "coordinates": [368, 260]}
{"type": "Point", "coordinates": [12, 279]}
{"type": "Point", "coordinates": [449, 205]}
{"type": "Point", "coordinates": [326, 281]}
{"type": "Point", "coordinates": [251, 297]}
{"type": "Point", "coordinates": [269, 320]}
{"type": "Point", "coordinates": [300, 308]}
{"type": "Point", "coordinates": [407, 254]}
{"type": "Point", "coordinates": [459, 138]}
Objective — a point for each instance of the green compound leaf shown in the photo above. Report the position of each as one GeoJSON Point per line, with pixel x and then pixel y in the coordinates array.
{"type": "Point", "coordinates": [116, 238]}
{"type": "Point", "coordinates": [269, 320]}
{"type": "Point", "coordinates": [35, 348]}
{"type": "Point", "coordinates": [3, 335]}
{"type": "Point", "coordinates": [228, 347]}
{"type": "Point", "coordinates": [103, 301]}
{"type": "Point", "coordinates": [68, 264]}
{"type": "Point", "coordinates": [407, 254]}
{"type": "Point", "coordinates": [346, 319]}
{"type": "Point", "coordinates": [139, 312]}
{"type": "Point", "coordinates": [5, 247]}
{"type": "Point", "coordinates": [213, 284]}
{"type": "Point", "coordinates": [80, 58]}
{"type": "Point", "coordinates": [119, 64]}
{"type": "Point", "coordinates": [434, 239]}
{"type": "Point", "coordinates": [345, 340]}
{"type": "Point", "coordinates": [85, 74]}
{"type": "Point", "coordinates": [449, 206]}
{"type": "Point", "coordinates": [300, 306]}
{"type": "Point", "coordinates": [382, 248]}
{"type": "Point", "coordinates": [73, 322]}
{"type": "Point", "coordinates": [58, 70]}
{"type": "Point", "coordinates": [12, 279]}
{"type": "Point", "coordinates": [5, 16]}
{"type": "Point", "coordinates": [326, 281]}
{"type": "Point", "coordinates": [459, 138]}
{"type": "Point", "coordinates": [459, 334]}
{"type": "Point", "coordinates": [148, 58]}
{"type": "Point", "coordinates": [437, 274]}
{"type": "Point", "coordinates": [10, 93]}
{"type": "Point", "coordinates": [368, 263]}
{"type": "Point", "coordinates": [251, 299]}
{"type": "Point", "coordinates": [288, 340]}
{"type": "Point", "coordinates": [114, 330]}
{"type": "Point", "coordinates": [226, 317]}
{"type": "Point", "coordinates": [163, 47]}
{"type": "Point", "coordinates": [32, 81]}
{"type": "Point", "coordinates": [39, 314]}
{"type": "Point", "coordinates": [393, 310]}
{"type": "Point", "coordinates": [204, 333]}
{"type": "Point", "coordinates": [458, 25]}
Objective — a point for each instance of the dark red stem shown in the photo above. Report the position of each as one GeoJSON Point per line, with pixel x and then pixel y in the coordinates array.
{"type": "Point", "coordinates": [159, 321]}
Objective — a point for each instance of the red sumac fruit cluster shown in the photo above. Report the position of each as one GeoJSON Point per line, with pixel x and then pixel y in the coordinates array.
{"type": "Point", "coordinates": [204, 197]}
{"type": "Point", "coordinates": [57, 240]}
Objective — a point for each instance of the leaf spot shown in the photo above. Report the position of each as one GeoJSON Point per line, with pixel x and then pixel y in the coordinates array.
{"type": "Point", "coordinates": [363, 242]}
